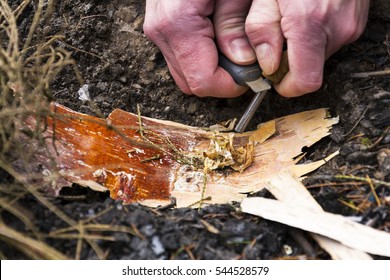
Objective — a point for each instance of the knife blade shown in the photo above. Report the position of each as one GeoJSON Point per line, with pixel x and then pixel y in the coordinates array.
{"type": "Point", "coordinates": [252, 76]}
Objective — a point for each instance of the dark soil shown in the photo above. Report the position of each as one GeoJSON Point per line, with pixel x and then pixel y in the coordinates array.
{"type": "Point", "coordinates": [122, 69]}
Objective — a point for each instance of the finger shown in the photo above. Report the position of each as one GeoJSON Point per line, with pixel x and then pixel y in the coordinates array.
{"type": "Point", "coordinates": [306, 44]}
{"type": "Point", "coordinates": [199, 65]}
{"type": "Point", "coordinates": [191, 79]}
{"type": "Point", "coordinates": [348, 23]}
{"type": "Point", "coordinates": [174, 68]}
{"type": "Point", "coordinates": [185, 36]}
{"type": "Point", "coordinates": [265, 34]}
{"type": "Point", "coordinates": [229, 23]}
{"type": "Point", "coordinates": [155, 31]}
{"type": "Point", "coordinates": [197, 58]}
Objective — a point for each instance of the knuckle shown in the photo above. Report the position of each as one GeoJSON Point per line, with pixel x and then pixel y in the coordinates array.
{"type": "Point", "coordinates": [254, 28]}
{"type": "Point", "coordinates": [309, 85]}
{"type": "Point", "coordinates": [302, 26]}
{"type": "Point", "coordinates": [185, 89]}
{"type": "Point", "coordinates": [199, 85]}
{"type": "Point", "coordinates": [199, 90]}
{"type": "Point", "coordinates": [148, 29]}
{"type": "Point", "coordinates": [154, 29]}
{"type": "Point", "coordinates": [352, 31]}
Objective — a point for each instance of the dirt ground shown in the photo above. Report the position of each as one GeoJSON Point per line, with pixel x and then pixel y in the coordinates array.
{"type": "Point", "coordinates": [122, 69]}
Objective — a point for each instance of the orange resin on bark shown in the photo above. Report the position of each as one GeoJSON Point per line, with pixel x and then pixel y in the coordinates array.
{"type": "Point", "coordinates": [132, 167]}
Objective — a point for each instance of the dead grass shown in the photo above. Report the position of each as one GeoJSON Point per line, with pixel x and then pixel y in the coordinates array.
{"type": "Point", "coordinates": [29, 62]}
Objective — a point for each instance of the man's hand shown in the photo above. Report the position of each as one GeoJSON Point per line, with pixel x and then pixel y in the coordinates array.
{"type": "Point", "coordinates": [185, 34]}
{"type": "Point", "coordinates": [246, 30]}
{"type": "Point", "coordinates": [313, 30]}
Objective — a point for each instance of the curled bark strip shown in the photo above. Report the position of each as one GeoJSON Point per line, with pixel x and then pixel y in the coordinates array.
{"type": "Point", "coordinates": [150, 161]}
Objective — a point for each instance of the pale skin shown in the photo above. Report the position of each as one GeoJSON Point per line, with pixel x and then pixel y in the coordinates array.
{"type": "Point", "coordinates": [189, 34]}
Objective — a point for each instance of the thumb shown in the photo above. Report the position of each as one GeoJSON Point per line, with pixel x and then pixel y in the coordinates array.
{"type": "Point", "coordinates": [229, 23]}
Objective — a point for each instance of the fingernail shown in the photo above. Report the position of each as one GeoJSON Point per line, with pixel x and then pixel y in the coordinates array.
{"type": "Point", "coordinates": [265, 58]}
{"type": "Point", "coordinates": [242, 51]}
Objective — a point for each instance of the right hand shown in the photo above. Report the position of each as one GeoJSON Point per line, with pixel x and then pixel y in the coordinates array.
{"type": "Point", "coordinates": [185, 35]}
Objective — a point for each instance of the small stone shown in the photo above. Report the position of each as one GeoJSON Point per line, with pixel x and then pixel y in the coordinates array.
{"type": "Point", "coordinates": [193, 108]}
{"type": "Point", "coordinates": [366, 158]}
{"type": "Point", "coordinates": [157, 246]}
{"type": "Point", "coordinates": [383, 158]}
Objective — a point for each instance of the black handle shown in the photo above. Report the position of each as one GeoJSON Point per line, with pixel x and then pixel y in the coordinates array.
{"type": "Point", "coordinates": [240, 73]}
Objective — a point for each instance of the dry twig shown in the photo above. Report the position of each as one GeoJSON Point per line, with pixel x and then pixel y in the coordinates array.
{"type": "Point", "coordinates": [379, 73]}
